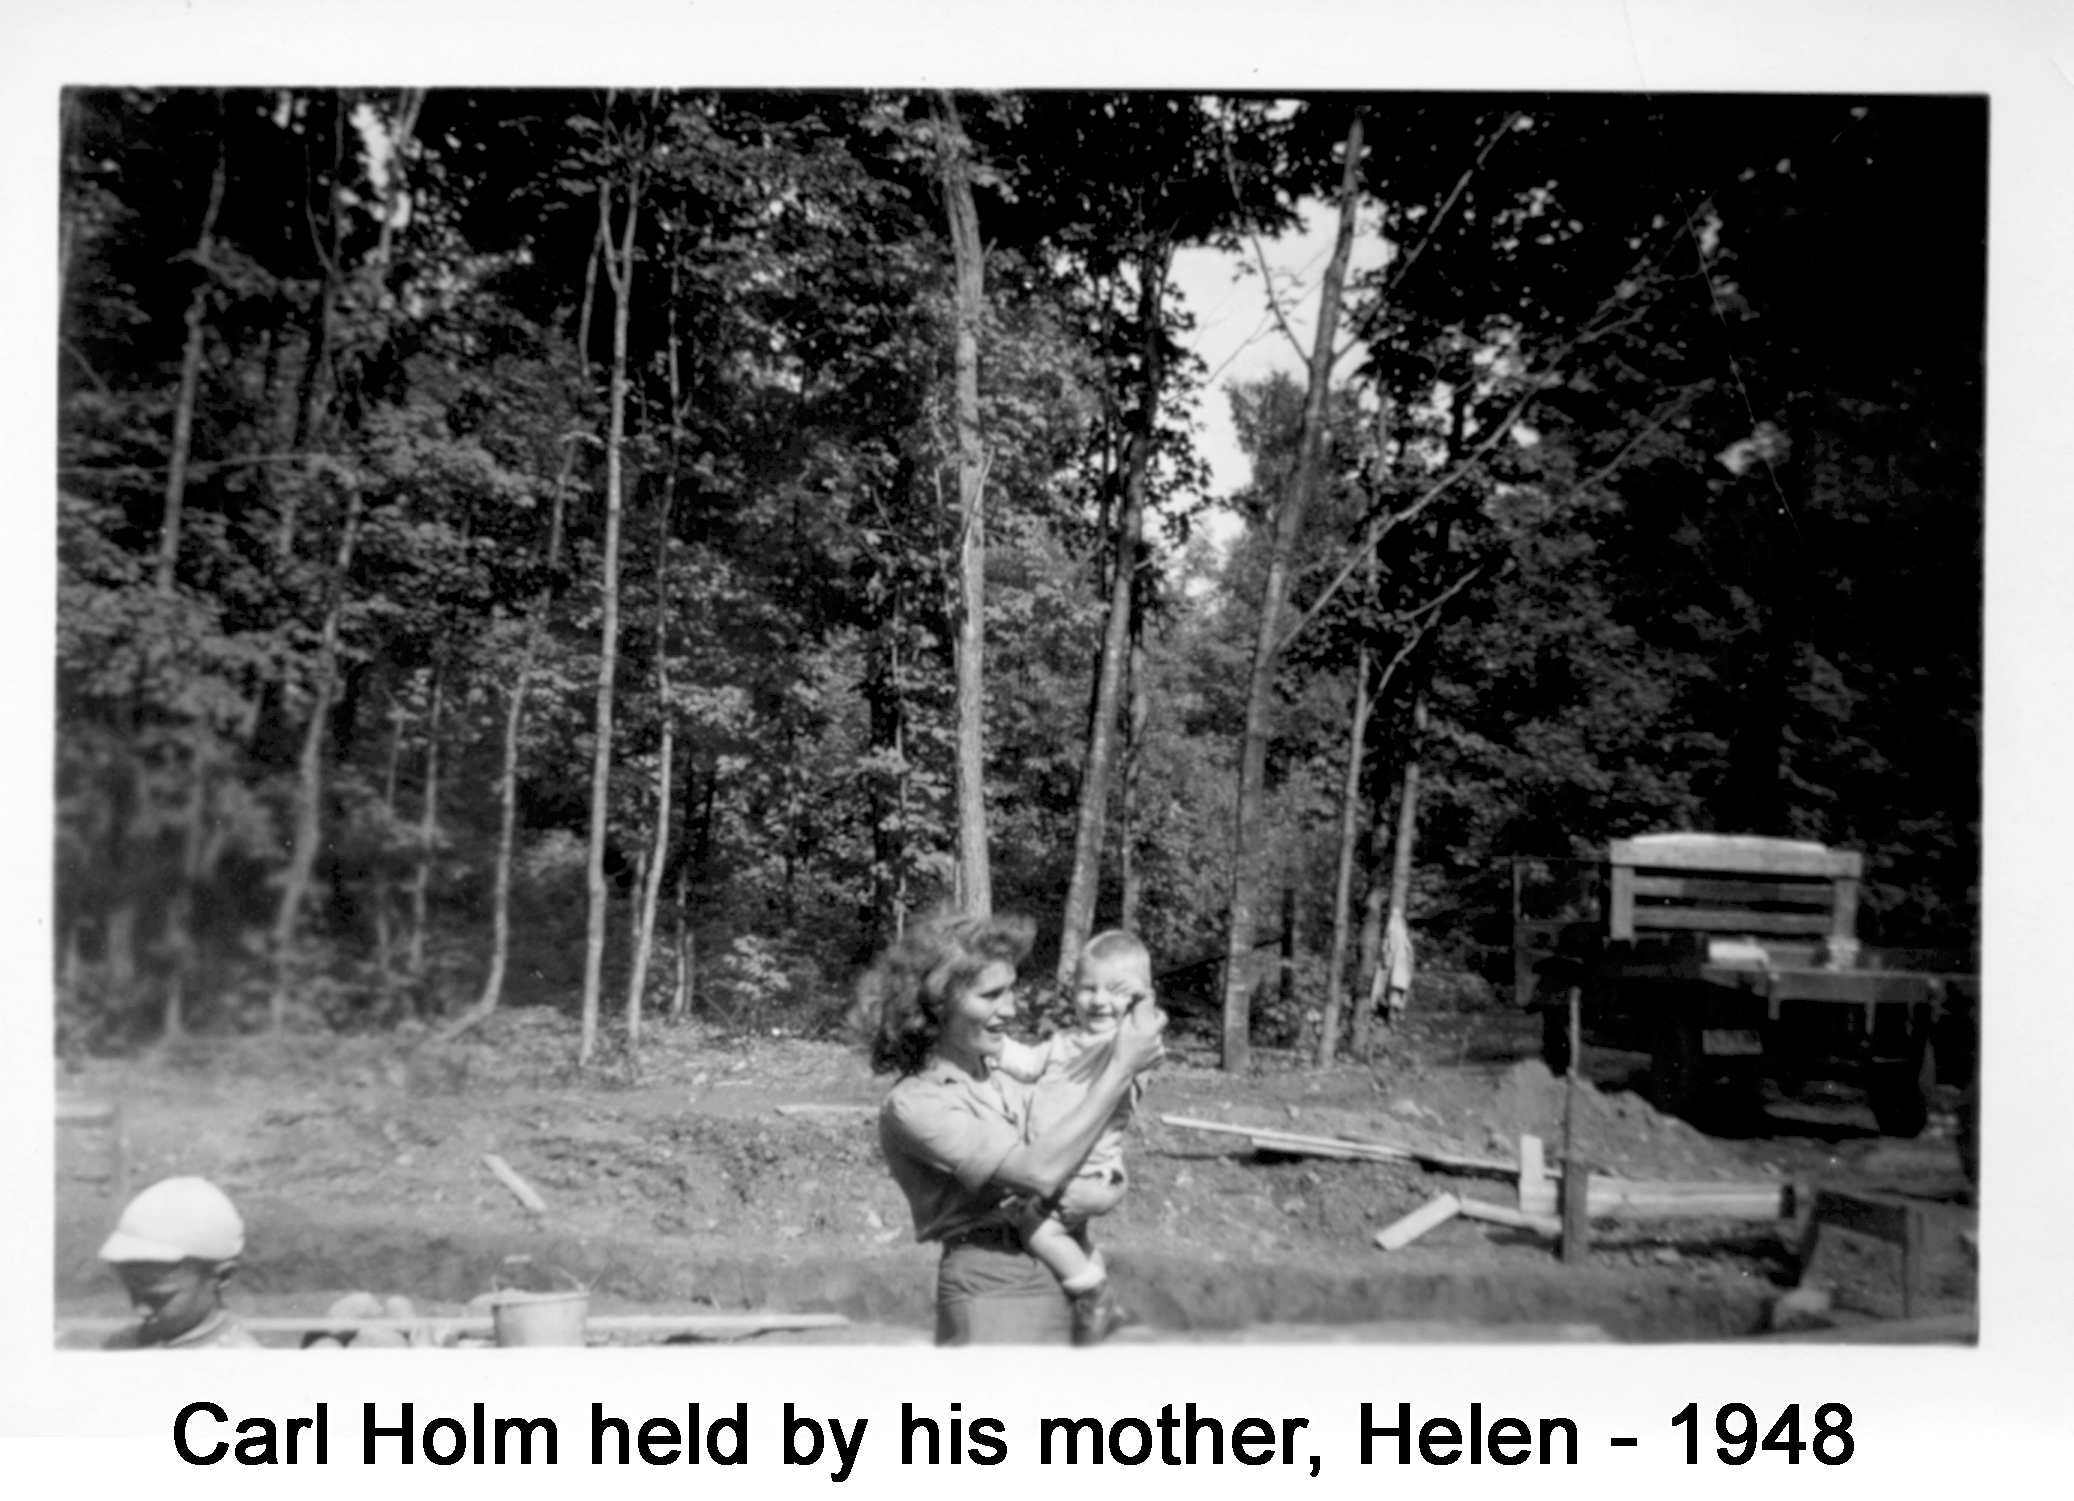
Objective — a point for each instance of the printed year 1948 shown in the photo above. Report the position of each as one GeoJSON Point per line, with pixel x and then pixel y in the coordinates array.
{"type": "Point", "coordinates": [1736, 1425]}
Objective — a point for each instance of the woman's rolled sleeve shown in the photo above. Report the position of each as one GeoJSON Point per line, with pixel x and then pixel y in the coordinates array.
{"type": "Point", "coordinates": [944, 1139]}
{"type": "Point", "coordinates": [953, 1136]}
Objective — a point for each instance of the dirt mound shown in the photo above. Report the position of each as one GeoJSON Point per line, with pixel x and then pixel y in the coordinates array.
{"type": "Point", "coordinates": [1619, 1133]}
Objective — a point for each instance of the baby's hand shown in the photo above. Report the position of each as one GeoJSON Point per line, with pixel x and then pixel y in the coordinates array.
{"type": "Point", "coordinates": [1138, 1035]}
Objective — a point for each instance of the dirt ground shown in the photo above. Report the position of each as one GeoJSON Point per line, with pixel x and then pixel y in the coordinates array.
{"type": "Point", "coordinates": [681, 1186]}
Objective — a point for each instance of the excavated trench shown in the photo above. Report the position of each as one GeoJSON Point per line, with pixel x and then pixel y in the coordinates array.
{"type": "Point", "coordinates": [891, 1289]}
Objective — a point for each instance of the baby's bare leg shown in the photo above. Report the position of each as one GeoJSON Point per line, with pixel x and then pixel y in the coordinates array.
{"type": "Point", "coordinates": [1058, 1248]}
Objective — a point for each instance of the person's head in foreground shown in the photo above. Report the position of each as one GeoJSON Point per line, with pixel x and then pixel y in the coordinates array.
{"type": "Point", "coordinates": [175, 1247]}
{"type": "Point", "coordinates": [946, 988]}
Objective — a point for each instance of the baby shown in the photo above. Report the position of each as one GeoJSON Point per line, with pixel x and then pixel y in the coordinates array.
{"type": "Point", "coordinates": [1114, 974]}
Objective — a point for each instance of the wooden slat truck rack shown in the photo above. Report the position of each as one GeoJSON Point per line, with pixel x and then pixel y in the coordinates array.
{"type": "Point", "coordinates": [1730, 958]}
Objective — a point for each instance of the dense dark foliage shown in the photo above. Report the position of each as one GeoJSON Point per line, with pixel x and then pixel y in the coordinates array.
{"type": "Point", "coordinates": [1664, 430]}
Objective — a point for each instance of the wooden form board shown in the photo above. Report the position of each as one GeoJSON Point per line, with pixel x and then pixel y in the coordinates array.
{"type": "Point", "coordinates": [1880, 1217]}
{"type": "Point", "coordinates": [1271, 1139]}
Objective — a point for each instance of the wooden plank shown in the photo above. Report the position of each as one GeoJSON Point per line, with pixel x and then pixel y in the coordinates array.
{"type": "Point", "coordinates": [1300, 1146]}
{"type": "Point", "coordinates": [1498, 1214]}
{"type": "Point", "coordinates": [1435, 1212]}
{"type": "Point", "coordinates": [475, 1323]}
{"type": "Point", "coordinates": [1639, 1189]}
{"type": "Point", "coordinates": [1751, 854]}
{"type": "Point", "coordinates": [1296, 1144]}
{"type": "Point", "coordinates": [1820, 894]}
{"type": "Point", "coordinates": [521, 1190]}
{"type": "Point", "coordinates": [1738, 1201]}
{"type": "Point", "coordinates": [1729, 920]}
{"type": "Point", "coordinates": [1292, 1145]}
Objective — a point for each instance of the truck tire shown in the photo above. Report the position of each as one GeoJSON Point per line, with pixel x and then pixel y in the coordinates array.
{"type": "Point", "coordinates": [1677, 1067]}
{"type": "Point", "coordinates": [1901, 1092]}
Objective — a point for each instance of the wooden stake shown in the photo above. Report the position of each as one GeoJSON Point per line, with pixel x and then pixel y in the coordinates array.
{"type": "Point", "coordinates": [1576, 1198]}
{"type": "Point", "coordinates": [1576, 1222]}
{"type": "Point", "coordinates": [1537, 1195]}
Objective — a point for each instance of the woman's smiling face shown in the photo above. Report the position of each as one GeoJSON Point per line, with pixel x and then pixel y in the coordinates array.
{"type": "Point", "coordinates": [975, 1021]}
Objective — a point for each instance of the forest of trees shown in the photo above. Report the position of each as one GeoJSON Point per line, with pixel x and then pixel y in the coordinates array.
{"type": "Point", "coordinates": [630, 551]}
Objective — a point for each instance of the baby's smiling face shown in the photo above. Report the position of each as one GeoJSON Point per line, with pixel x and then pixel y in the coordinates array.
{"type": "Point", "coordinates": [1104, 989]}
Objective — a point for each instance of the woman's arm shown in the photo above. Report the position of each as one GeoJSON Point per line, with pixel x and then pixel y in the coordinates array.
{"type": "Point", "coordinates": [1043, 1166]}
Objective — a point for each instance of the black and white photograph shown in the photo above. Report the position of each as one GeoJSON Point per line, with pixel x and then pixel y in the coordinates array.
{"type": "Point", "coordinates": [1261, 731]}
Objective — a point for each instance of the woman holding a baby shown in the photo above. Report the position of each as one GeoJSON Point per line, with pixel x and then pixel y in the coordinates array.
{"type": "Point", "coordinates": [1005, 1150]}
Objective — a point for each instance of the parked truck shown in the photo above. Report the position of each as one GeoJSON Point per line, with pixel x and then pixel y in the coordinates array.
{"type": "Point", "coordinates": [1731, 959]}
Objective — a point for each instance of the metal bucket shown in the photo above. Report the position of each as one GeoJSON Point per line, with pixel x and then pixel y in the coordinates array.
{"type": "Point", "coordinates": [540, 1318]}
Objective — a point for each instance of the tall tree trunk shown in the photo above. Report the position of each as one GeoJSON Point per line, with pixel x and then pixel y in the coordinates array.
{"type": "Point", "coordinates": [1140, 711]}
{"type": "Point", "coordinates": [179, 939]}
{"type": "Point", "coordinates": [1155, 260]}
{"type": "Point", "coordinates": [1267, 644]}
{"type": "Point", "coordinates": [659, 849]}
{"type": "Point", "coordinates": [1399, 889]}
{"type": "Point", "coordinates": [312, 392]}
{"type": "Point", "coordinates": [1374, 904]}
{"type": "Point", "coordinates": [975, 877]}
{"type": "Point", "coordinates": [1343, 876]}
{"type": "Point", "coordinates": [402, 126]}
{"type": "Point", "coordinates": [1365, 697]}
{"type": "Point", "coordinates": [309, 790]}
{"type": "Point", "coordinates": [71, 162]}
{"type": "Point", "coordinates": [619, 270]}
{"type": "Point", "coordinates": [383, 942]}
{"type": "Point", "coordinates": [680, 986]}
{"type": "Point", "coordinates": [658, 857]}
{"type": "Point", "coordinates": [428, 832]}
{"type": "Point", "coordinates": [190, 378]}
{"type": "Point", "coordinates": [883, 701]}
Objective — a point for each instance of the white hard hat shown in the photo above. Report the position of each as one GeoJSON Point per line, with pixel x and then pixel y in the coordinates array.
{"type": "Point", "coordinates": [176, 1219]}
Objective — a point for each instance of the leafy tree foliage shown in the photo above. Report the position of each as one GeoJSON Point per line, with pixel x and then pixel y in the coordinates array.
{"type": "Point", "coordinates": [1654, 473]}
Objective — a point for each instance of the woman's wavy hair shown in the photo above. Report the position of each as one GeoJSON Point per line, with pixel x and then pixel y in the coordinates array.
{"type": "Point", "coordinates": [901, 998]}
